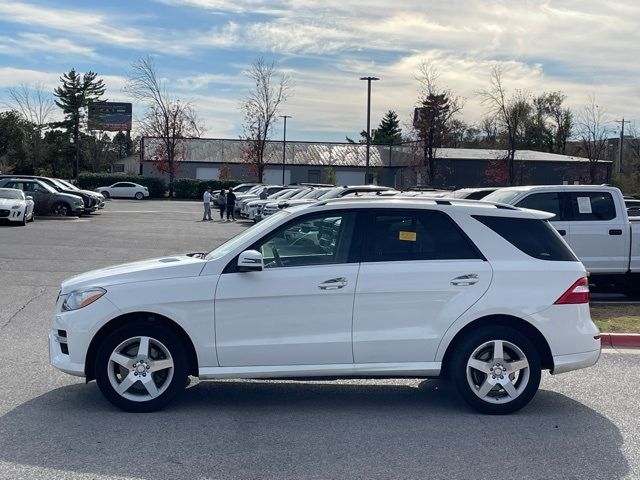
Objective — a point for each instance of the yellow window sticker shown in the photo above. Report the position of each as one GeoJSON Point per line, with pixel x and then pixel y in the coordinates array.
{"type": "Point", "coordinates": [408, 236]}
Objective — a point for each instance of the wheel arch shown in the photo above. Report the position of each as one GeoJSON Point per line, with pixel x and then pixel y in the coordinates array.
{"type": "Point", "coordinates": [526, 328]}
{"type": "Point", "coordinates": [144, 317]}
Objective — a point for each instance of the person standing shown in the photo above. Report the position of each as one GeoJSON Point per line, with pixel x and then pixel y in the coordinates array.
{"type": "Point", "coordinates": [222, 202]}
{"type": "Point", "coordinates": [264, 194]}
{"type": "Point", "coordinates": [207, 205]}
{"type": "Point", "coordinates": [231, 204]}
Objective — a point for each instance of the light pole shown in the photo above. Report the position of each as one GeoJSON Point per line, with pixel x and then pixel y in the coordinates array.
{"type": "Point", "coordinates": [366, 168]}
{"type": "Point", "coordinates": [284, 144]}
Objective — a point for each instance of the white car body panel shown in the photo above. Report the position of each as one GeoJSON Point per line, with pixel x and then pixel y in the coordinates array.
{"type": "Point", "coordinates": [314, 329]}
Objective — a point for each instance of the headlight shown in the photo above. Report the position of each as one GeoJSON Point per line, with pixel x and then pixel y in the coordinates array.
{"type": "Point", "coordinates": [81, 298]}
{"type": "Point", "coordinates": [16, 206]}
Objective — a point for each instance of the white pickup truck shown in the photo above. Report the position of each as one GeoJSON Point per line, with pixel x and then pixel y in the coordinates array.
{"type": "Point", "coordinates": [594, 222]}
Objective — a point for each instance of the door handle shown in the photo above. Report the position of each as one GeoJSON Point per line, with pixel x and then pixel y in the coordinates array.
{"type": "Point", "coordinates": [333, 284]}
{"type": "Point", "coordinates": [615, 231]}
{"type": "Point", "coordinates": [465, 280]}
{"type": "Point", "coordinates": [562, 232]}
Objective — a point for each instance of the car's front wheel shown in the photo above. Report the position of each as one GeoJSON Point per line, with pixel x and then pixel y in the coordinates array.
{"type": "Point", "coordinates": [496, 369]}
{"type": "Point", "coordinates": [62, 209]}
{"type": "Point", "coordinates": [139, 195]}
{"type": "Point", "coordinates": [141, 367]}
{"type": "Point", "coordinates": [105, 194]}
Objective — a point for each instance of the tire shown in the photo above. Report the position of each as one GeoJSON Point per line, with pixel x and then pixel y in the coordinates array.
{"type": "Point", "coordinates": [144, 390]}
{"type": "Point", "coordinates": [105, 194]}
{"type": "Point", "coordinates": [33, 217]}
{"type": "Point", "coordinates": [478, 385]}
{"type": "Point", "coordinates": [23, 223]}
{"type": "Point", "coordinates": [139, 195]}
{"type": "Point", "coordinates": [61, 208]}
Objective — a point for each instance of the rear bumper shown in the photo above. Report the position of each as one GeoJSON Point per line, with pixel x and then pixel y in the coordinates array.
{"type": "Point", "coordinates": [575, 361]}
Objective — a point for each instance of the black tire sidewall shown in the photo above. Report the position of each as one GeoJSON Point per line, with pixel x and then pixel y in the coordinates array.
{"type": "Point", "coordinates": [473, 340]}
{"type": "Point", "coordinates": [169, 339]}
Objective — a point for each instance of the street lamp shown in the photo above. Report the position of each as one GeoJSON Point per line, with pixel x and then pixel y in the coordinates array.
{"type": "Point", "coordinates": [369, 80]}
{"type": "Point", "coordinates": [284, 144]}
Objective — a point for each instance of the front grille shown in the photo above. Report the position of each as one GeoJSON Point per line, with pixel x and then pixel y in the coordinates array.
{"type": "Point", "coordinates": [4, 213]}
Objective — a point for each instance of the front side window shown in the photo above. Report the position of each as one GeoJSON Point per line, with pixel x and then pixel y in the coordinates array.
{"type": "Point", "coordinates": [311, 240]}
{"type": "Point", "coordinates": [592, 206]}
{"type": "Point", "coordinates": [416, 235]}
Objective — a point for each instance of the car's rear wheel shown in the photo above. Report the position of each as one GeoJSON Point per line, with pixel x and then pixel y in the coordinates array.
{"type": "Point", "coordinates": [496, 369]}
{"type": "Point", "coordinates": [62, 209]}
{"type": "Point", "coordinates": [139, 195]}
{"type": "Point", "coordinates": [141, 367]}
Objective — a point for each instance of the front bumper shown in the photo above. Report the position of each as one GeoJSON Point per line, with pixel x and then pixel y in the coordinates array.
{"type": "Point", "coordinates": [12, 215]}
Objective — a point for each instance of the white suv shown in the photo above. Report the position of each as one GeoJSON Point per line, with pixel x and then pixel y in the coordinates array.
{"type": "Point", "coordinates": [487, 295]}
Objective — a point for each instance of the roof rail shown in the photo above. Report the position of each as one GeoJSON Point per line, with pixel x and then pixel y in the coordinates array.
{"type": "Point", "coordinates": [436, 200]}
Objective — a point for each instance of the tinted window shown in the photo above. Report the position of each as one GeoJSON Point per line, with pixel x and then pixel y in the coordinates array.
{"type": "Point", "coordinates": [400, 235]}
{"type": "Point", "coordinates": [118, 185]}
{"type": "Point", "coordinates": [536, 238]}
{"type": "Point", "coordinates": [311, 240]}
{"type": "Point", "coordinates": [586, 206]}
{"type": "Point", "coordinates": [546, 202]}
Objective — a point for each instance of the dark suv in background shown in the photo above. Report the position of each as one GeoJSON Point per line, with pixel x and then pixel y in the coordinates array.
{"type": "Point", "coordinates": [46, 198]}
{"type": "Point", "coordinates": [90, 199]}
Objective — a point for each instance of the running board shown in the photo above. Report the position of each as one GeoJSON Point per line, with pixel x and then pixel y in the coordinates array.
{"type": "Point", "coordinates": [389, 370]}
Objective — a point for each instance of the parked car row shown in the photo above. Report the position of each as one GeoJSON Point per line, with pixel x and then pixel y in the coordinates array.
{"type": "Point", "coordinates": [53, 196]}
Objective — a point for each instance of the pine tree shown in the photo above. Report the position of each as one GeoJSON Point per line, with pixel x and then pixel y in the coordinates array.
{"type": "Point", "coordinates": [388, 132]}
{"type": "Point", "coordinates": [74, 96]}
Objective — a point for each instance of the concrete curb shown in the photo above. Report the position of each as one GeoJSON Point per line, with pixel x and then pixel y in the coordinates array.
{"type": "Point", "coordinates": [623, 340]}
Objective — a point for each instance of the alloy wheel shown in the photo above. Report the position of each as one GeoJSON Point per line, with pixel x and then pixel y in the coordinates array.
{"type": "Point", "coordinates": [498, 371]}
{"type": "Point", "coordinates": [140, 369]}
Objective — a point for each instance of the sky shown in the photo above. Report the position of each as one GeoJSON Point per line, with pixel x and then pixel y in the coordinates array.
{"type": "Point", "coordinates": [202, 49]}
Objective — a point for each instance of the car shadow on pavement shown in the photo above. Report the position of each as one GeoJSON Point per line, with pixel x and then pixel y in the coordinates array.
{"type": "Point", "coordinates": [269, 429]}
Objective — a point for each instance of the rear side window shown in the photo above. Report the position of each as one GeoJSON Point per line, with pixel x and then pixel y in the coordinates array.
{"type": "Point", "coordinates": [546, 202]}
{"type": "Point", "coordinates": [536, 238]}
{"type": "Point", "coordinates": [592, 206]}
{"type": "Point", "coordinates": [401, 235]}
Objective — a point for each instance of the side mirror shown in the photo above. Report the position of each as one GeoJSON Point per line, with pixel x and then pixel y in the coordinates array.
{"type": "Point", "coordinates": [29, 197]}
{"type": "Point", "coordinates": [250, 261]}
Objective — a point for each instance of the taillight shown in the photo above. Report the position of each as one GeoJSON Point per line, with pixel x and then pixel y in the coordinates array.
{"type": "Point", "coordinates": [577, 293]}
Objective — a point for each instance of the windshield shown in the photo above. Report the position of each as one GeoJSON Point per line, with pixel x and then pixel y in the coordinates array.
{"type": "Point", "coordinates": [282, 194]}
{"type": "Point", "coordinates": [302, 193]}
{"type": "Point", "coordinates": [501, 196]}
{"type": "Point", "coordinates": [57, 184]}
{"type": "Point", "coordinates": [333, 193]}
{"type": "Point", "coordinates": [256, 230]}
{"type": "Point", "coordinates": [70, 186]}
{"type": "Point", "coordinates": [11, 193]}
{"type": "Point", "coordinates": [317, 193]}
{"type": "Point", "coordinates": [286, 194]}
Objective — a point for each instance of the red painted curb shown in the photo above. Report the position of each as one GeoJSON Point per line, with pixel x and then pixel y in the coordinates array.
{"type": "Point", "coordinates": [623, 340]}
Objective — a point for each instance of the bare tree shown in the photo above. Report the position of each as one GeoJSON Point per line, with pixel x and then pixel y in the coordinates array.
{"type": "Point", "coordinates": [510, 113]}
{"type": "Point", "coordinates": [168, 119]}
{"type": "Point", "coordinates": [436, 108]}
{"type": "Point", "coordinates": [35, 106]}
{"type": "Point", "coordinates": [593, 133]}
{"type": "Point", "coordinates": [261, 106]}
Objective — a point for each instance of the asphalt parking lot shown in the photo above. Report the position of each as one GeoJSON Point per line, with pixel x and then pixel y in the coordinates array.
{"type": "Point", "coordinates": [581, 425]}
